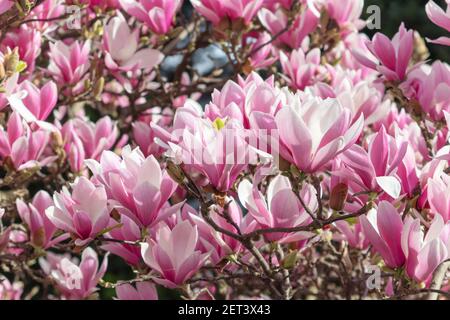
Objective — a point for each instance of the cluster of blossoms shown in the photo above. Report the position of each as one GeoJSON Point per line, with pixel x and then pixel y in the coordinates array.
{"type": "Point", "coordinates": [263, 149]}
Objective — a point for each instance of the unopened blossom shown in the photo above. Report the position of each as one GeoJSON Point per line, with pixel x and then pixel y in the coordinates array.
{"type": "Point", "coordinates": [438, 193]}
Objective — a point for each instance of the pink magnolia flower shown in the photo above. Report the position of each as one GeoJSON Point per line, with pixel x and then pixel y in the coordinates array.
{"type": "Point", "coordinates": [346, 13]}
{"type": "Point", "coordinates": [40, 102]}
{"type": "Point", "coordinates": [69, 63]}
{"type": "Point", "coordinates": [219, 150]}
{"type": "Point", "coordinates": [10, 290]}
{"type": "Point", "coordinates": [281, 208]}
{"type": "Point", "coordinates": [276, 22]}
{"type": "Point", "coordinates": [24, 146]}
{"type": "Point", "coordinates": [390, 57]}
{"type": "Point", "coordinates": [238, 100]}
{"type": "Point", "coordinates": [302, 69]}
{"type": "Point", "coordinates": [76, 281]}
{"type": "Point", "coordinates": [158, 15]}
{"type": "Point", "coordinates": [438, 194]}
{"type": "Point", "coordinates": [143, 291]}
{"type": "Point", "coordinates": [353, 234]}
{"type": "Point", "coordinates": [216, 10]}
{"type": "Point", "coordinates": [28, 41]}
{"type": "Point", "coordinates": [423, 255]}
{"type": "Point", "coordinates": [383, 228]}
{"type": "Point", "coordinates": [42, 230]}
{"type": "Point", "coordinates": [86, 140]}
{"type": "Point", "coordinates": [173, 255]}
{"type": "Point", "coordinates": [260, 47]}
{"type": "Point", "coordinates": [430, 86]}
{"type": "Point", "coordinates": [440, 18]}
{"type": "Point", "coordinates": [5, 6]}
{"type": "Point", "coordinates": [136, 186]}
{"type": "Point", "coordinates": [126, 57]}
{"type": "Point", "coordinates": [312, 132]}
{"type": "Point", "coordinates": [129, 231]}
{"type": "Point", "coordinates": [83, 213]}
{"type": "Point", "coordinates": [387, 166]}
{"type": "Point", "coordinates": [44, 13]}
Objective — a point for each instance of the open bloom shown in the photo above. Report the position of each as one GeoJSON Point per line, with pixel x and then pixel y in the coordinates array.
{"type": "Point", "coordinates": [10, 290]}
{"type": "Point", "coordinates": [423, 255]}
{"type": "Point", "coordinates": [136, 186]}
{"type": "Point", "coordinates": [126, 57]}
{"type": "Point", "coordinates": [282, 208]}
{"type": "Point", "coordinates": [383, 228]}
{"type": "Point", "coordinates": [24, 146]}
{"type": "Point", "coordinates": [172, 253]}
{"type": "Point", "coordinates": [158, 15]}
{"type": "Point", "coordinates": [69, 63]}
{"type": "Point", "coordinates": [86, 140]}
{"type": "Point", "coordinates": [83, 213]}
{"type": "Point", "coordinates": [40, 102]}
{"type": "Point", "coordinates": [313, 131]}
{"type": "Point", "coordinates": [41, 228]}
{"type": "Point", "coordinates": [73, 280]}
{"type": "Point", "coordinates": [216, 10]}
{"type": "Point", "coordinates": [302, 69]}
{"type": "Point", "coordinates": [390, 57]}
{"type": "Point", "coordinates": [440, 18]}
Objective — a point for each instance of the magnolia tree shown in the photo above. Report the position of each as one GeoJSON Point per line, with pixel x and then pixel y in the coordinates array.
{"type": "Point", "coordinates": [210, 149]}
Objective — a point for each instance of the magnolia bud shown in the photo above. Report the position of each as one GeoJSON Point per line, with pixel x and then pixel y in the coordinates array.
{"type": "Point", "coordinates": [338, 196]}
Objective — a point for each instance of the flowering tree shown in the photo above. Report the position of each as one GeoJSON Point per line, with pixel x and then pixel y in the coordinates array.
{"type": "Point", "coordinates": [263, 149]}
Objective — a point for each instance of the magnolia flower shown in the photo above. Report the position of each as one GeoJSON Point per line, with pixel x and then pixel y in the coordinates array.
{"type": "Point", "coordinates": [438, 193]}
{"type": "Point", "coordinates": [10, 290]}
{"type": "Point", "coordinates": [24, 146]}
{"type": "Point", "coordinates": [158, 15]}
{"type": "Point", "coordinates": [440, 18]}
{"type": "Point", "coordinates": [390, 57]}
{"type": "Point", "coordinates": [126, 57]}
{"type": "Point", "coordinates": [383, 228]}
{"type": "Point", "coordinates": [86, 140]}
{"type": "Point", "coordinates": [173, 255]}
{"type": "Point", "coordinates": [69, 63]}
{"type": "Point", "coordinates": [5, 6]}
{"type": "Point", "coordinates": [75, 281]}
{"type": "Point", "coordinates": [83, 213]}
{"type": "Point", "coordinates": [42, 230]}
{"type": "Point", "coordinates": [143, 291]}
{"type": "Point", "coordinates": [136, 186]}
{"type": "Point", "coordinates": [312, 132]}
{"type": "Point", "coordinates": [302, 69]}
{"type": "Point", "coordinates": [280, 209]}
{"type": "Point", "coordinates": [423, 255]}
{"type": "Point", "coordinates": [39, 102]}
{"type": "Point", "coordinates": [216, 10]}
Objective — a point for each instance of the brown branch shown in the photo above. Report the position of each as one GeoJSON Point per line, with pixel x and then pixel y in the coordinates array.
{"type": "Point", "coordinates": [438, 278]}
